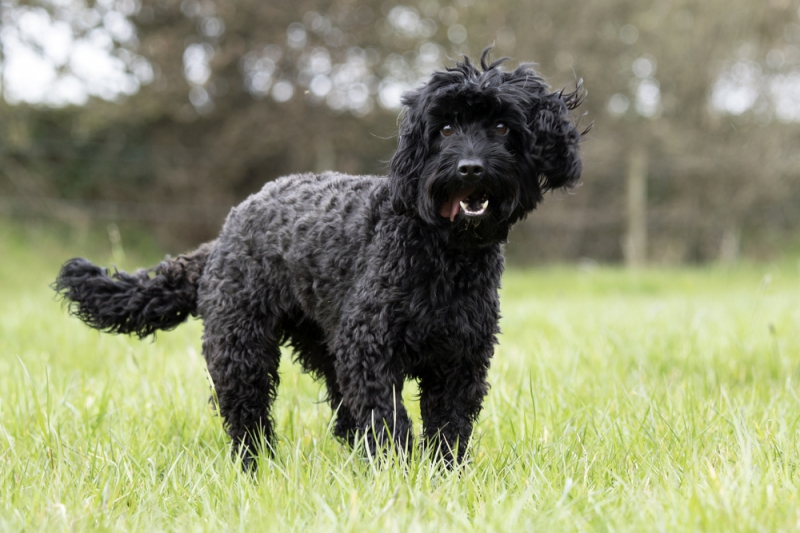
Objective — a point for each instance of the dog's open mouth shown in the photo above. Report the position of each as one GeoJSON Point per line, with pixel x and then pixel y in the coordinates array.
{"type": "Point", "coordinates": [472, 202]}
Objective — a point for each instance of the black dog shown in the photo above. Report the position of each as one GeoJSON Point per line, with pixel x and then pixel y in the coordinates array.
{"type": "Point", "coordinates": [370, 279]}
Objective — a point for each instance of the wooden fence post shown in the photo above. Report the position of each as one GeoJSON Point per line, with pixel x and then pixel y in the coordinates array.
{"type": "Point", "coordinates": [635, 246]}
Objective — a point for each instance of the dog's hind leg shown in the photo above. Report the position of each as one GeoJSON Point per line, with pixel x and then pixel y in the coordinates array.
{"type": "Point", "coordinates": [308, 342]}
{"type": "Point", "coordinates": [241, 347]}
{"type": "Point", "coordinates": [345, 426]}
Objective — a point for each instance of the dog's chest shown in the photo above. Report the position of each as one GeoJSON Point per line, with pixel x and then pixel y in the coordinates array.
{"type": "Point", "coordinates": [453, 308]}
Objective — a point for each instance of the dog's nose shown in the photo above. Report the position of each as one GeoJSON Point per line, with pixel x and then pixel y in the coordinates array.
{"type": "Point", "coordinates": [472, 168]}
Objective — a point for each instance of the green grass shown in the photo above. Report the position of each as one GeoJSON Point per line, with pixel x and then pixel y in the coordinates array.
{"type": "Point", "coordinates": [665, 400]}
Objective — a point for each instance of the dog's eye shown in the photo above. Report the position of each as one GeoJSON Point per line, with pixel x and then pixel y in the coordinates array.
{"type": "Point", "coordinates": [500, 128]}
{"type": "Point", "coordinates": [447, 130]}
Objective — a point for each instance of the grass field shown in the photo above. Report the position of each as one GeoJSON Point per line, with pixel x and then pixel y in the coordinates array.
{"type": "Point", "coordinates": [664, 400]}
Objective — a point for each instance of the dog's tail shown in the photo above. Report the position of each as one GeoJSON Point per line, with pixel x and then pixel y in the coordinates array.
{"type": "Point", "coordinates": [135, 303]}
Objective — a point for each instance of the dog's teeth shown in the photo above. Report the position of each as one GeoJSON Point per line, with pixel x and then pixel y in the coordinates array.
{"type": "Point", "coordinates": [474, 212]}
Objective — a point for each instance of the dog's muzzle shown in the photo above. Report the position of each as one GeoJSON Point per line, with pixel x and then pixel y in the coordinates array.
{"type": "Point", "coordinates": [472, 201]}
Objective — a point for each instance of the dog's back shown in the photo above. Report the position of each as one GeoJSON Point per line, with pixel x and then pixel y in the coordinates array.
{"type": "Point", "coordinates": [299, 239]}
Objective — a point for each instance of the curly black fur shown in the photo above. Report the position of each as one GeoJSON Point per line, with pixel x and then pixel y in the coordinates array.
{"type": "Point", "coordinates": [372, 280]}
{"type": "Point", "coordinates": [133, 303]}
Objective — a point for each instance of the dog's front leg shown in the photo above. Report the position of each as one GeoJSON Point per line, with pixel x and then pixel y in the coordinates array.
{"type": "Point", "coordinates": [371, 385]}
{"type": "Point", "coordinates": [450, 401]}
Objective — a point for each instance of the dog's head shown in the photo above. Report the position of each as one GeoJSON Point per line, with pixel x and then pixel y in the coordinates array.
{"type": "Point", "coordinates": [478, 148]}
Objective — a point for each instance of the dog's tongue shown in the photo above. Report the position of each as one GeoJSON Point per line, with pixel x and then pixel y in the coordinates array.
{"type": "Point", "coordinates": [451, 206]}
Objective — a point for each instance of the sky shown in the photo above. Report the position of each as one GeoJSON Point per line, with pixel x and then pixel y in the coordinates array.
{"type": "Point", "coordinates": [61, 62]}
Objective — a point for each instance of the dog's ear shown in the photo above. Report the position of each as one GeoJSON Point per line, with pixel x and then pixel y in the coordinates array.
{"type": "Point", "coordinates": [408, 161]}
{"type": "Point", "coordinates": [554, 139]}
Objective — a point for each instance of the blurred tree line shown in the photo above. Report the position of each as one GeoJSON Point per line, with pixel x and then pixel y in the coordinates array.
{"type": "Point", "coordinates": [695, 108]}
